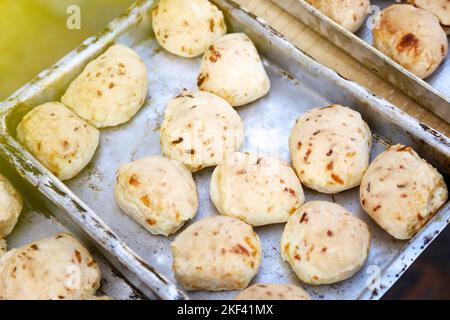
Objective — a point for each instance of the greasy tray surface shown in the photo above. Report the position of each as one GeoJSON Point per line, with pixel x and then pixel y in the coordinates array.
{"type": "Point", "coordinates": [298, 84]}
{"type": "Point", "coordinates": [433, 92]}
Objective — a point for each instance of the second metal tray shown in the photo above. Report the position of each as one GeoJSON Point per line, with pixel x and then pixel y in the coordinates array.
{"type": "Point", "coordinates": [433, 92]}
{"type": "Point", "coordinates": [298, 84]}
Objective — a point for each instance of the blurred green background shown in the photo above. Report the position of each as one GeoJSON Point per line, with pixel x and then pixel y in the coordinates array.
{"type": "Point", "coordinates": [33, 34]}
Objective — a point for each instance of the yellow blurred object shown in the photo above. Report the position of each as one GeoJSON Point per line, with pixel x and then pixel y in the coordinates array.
{"type": "Point", "coordinates": [34, 35]}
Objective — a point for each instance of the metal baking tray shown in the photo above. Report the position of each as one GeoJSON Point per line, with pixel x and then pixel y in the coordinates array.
{"type": "Point", "coordinates": [433, 92]}
{"type": "Point", "coordinates": [298, 84]}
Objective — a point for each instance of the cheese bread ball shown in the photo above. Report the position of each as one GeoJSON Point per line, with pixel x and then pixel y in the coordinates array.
{"type": "Point", "coordinates": [216, 253]}
{"type": "Point", "coordinates": [200, 129]}
{"type": "Point", "coordinates": [232, 69]}
{"type": "Point", "coordinates": [158, 193]}
{"type": "Point", "coordinates": [440, 8]}
{"type": "Point", "coordinates": [64, 143]}
{"type": "Point", "coordinates": [187, 27]}
{"type": "Point", "coordinates": [259, 190]}
{"type": "Point", "coordinates": [111, 89]}
{"type": "Point", "coordinates": [10, 207]}
{"type": "Point", "coordinates": [330, 148]}
{"type": "Point", "coordinates": [273, 292]}
{"type": "Point", "coordinates": [350, 14]}
{"type": "Point", "coordinates": [412, 37]}
{"type": "Point", "coordinates": [401, 191]}
{"type": "Point", "coordinates": [325, 244]}
{"type": "Point", "coordinates": [56, 268]}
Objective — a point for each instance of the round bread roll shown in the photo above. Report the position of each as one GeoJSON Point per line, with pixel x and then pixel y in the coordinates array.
{"type": "Point", "coordinates": [350, 14]}
{"type": "Point", "coordinates": [10, 207]}
{"type": "Point", "coordinates": [259, 190]}
{"type": "Point", "coordinates": [158, 193]}
{"type": "Point", "coordinates": [187, 27]}
{"type": "Point", "coordinates": [56, 268]}
{"type": "Point", "coordinates": [216, 253]}
{"type": "Point", "coordinates": [64, 143]}
{"type": "Point", "coordinates": [440, 8]}
{"type": "Point", "coordinates": [412, 37]}
{"type": "Point", "coordinates": [273, 292]}
{"type": "Point", "coordinates": [232, 69]}
{"type": "Point", "coordinates": [325, 244]}
{"type": "Point", "coordinates": [330, 148]}
{"type": "Point", "coordinates": [200, 130]}
{"type": "Point", "coordinates": [111, 89]}
{"type": "Point", "coordinates": [401, 191]}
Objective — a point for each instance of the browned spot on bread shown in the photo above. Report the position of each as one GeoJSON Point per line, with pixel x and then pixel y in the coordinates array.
{"type": "Point", "coordinates": [299, 145]}
{"type": "Point", "coordinates": [78, 256]}
{"type": "Point", "coordinates": [146, 201]}
{"type": "Point", "coordinates": [330, 166]}
{"type": "Point", "coordinates": [308, 153]}
{"type": "Point", "coordinates": [329, 233]}
{"type": "Point", "coordinates": [239, 249]}
{"type": "Point", "coordinates": [211, 25]}
{"type": "Point", "coordinates": [177, 141]}
{"type": "Point", "coordinates": [329, 153]}
{"type": "Point", "coordinates": [34, 247]}
{"type": "Point", "coordinates": [291, 191]}
{"type": "Point", "coordinates": [240, 172]}
{"type": "Point", "coordinates": [408, 41]}
{"type": "Point", "coordinates": [134, 180]}
{"type": "Point", "coordinates": [304, 218]}
{"type": "Point", "coordinates": [201, 79]}
{"type": "Point", "coordinates": [337, 179]}
{"type": "Point", "coordinates": [377, 208]}
{"type": "Point", "coordinates": [297, 257]}
{"type": "Point", "coordinates": [151, 221]}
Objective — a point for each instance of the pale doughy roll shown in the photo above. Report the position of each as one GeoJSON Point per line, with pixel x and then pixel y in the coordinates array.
{"type": "Point", "coordinates": [158, 193]}
{"type": "Point", "coordinates": [273, 292]}
{"type": "Point", "coordinates": [233, 70]}
{"type": "Point", "coordinates": [187, 27]}
{"type": "Point", "coordinates": [330, 148]}
{"type": "Point", "coordinates": [56, 268]}
{"type": "Point", "coordinates": [257, 189]}
{"type": "Point", "coordinates": [11, 205]}
{"type": "Point", "coordinates": [111, 89]}
{"type": "Point", "coordinates": [216, 253]}
{"type": "Point", "coordinates": [402, 192]}
{"type": "Point", "coordinates": [324, 243]}
{"type": "Point", "coordinates": [64, 143]}
{"type": "Point", "coordinates": [200, 130]}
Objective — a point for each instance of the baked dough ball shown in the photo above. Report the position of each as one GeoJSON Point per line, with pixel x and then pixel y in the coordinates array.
{"type": "Point", "coordinates": [350, 14]}
{"type": "Point", "coordinates": [64, 143]}
{"type": "Point", "coordinates": [10, 207]}
{"type": "Point", "coordinates": [111, 89]}
{"type": "Point", "coordinates": [158, 193]}
{"type": "Point", "coordinates": [412, 37]}
{"type": "Point", "coordinates": [187, 27]}
{"type": "Point", "coordinates": [273, 292]}
{"type": "Point", "coordinates": [401, 191]}
{"type": "Point", "coordinates": [259, 190]}
{"type": "Point", "coordinates": [440, 8]}
{"type": "Point", "coordinates": [56, 268]}
{"type": "Point", "coordinates": [330, 148]}
{"type": "Point", "coordinates": [232, 69]}
{"type": "Point", "coordinates": [324, 243]}
{"type": "Point", "coordinates": [216, 253]}
{"type": "Point", "coordinates": [200, 130]}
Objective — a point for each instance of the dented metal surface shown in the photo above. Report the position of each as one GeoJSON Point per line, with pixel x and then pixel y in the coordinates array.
{"type": "Point", "coordinates": [433, 92]}
{"type": "Point", "coordinates": [87, 204]}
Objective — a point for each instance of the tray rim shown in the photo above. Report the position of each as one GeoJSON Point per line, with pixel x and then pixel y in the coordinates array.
{"type": "Point", "coordinates": [427, 88]}
{"type": "Point", "coordinates": [437, 140]}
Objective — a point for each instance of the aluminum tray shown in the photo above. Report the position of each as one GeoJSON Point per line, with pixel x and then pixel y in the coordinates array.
{"type": "Point", "coordinates": [433, 92]}
{"type": "Point", "coordinates": [298, 84]}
